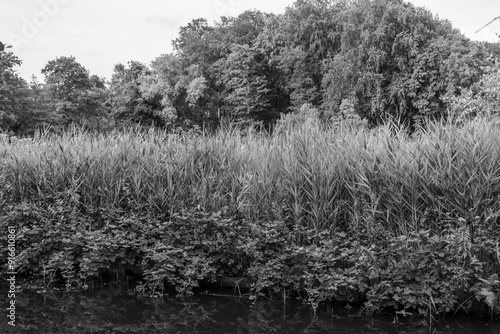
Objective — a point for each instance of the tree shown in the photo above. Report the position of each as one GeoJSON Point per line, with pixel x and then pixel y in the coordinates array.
{"type": "Point", "coordinates": [133, 97]}
{"type": "Point", "coordinates": [245, 85]}
{"type": "Point", "coordinates": [210, 57]}
{"type": "Point", "coordinates": [298, 41]}
{"type": "Point", "coordinates": [378, 59]}
{"type": "Point", "coordinates": [74, 94]}
{"type": "Point", "coordinates": [483, 97]}
{"type": "Point", "coordinates": [160, 85]}
{"type": "Point", "coordinates": [395, 60]}
{"type": "Point", "coordinates": [197, 51]}
{"type": "Point", "coordinates": [14, 91]}
{"type": "Point", "coordinates": [248, 84]}
{"type": "Point", "coordinates": [39, 113]}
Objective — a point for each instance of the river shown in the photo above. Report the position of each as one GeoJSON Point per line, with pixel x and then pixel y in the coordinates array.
{"type": "Point", "coordinates": [216, 311]}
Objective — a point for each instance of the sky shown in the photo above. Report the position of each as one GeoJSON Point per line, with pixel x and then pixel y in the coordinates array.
{"type": "Point", "coordinates": [102, 33]}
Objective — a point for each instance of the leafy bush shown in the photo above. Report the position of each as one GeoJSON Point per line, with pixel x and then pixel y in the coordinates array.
{"type": "Point", "coordinates": [482, 99]}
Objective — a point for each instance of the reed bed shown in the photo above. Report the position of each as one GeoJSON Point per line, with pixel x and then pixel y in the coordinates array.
{"type": "Point", "coordinates": [335, 212]}
{"type": "Point", "coordinates": [318, 177]}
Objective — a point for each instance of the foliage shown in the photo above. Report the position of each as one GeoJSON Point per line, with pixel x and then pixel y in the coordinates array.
{"type": "Point", "coordinates": [387, 59]}
{"type": "Point", "coordinates": [306, 116]}
{"type": "Point", "coordinates": [367, 60]}
{"type": "Point", "coordinates": [421, 272]}
{"type": "Point", "coordinates": [489, 291]}
{"type": "Point", "coordinates": [246, 92]}
{"type": "Point", "coordinates": [482, 99]}
{"type": "Point", "coordinates": [138, 96]}
{"type": "Point", "coordinates": [397, 60]}
{"type": "Point", "coordinates": [323, 213]}
{"type": "Point", "coordinates": [297, 43]}
{"type": "Point", "coordinates": [14, 92]}
{"type": "Point", "coordinates": [74, 94]}
{"type": "Point", "coordinates": [235, 74]}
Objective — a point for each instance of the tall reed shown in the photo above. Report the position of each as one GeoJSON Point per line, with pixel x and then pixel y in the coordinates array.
{"type": "Point", "coordinates": [311, 176]}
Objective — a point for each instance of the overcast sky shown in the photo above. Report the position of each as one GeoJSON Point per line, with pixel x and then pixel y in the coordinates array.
{"type": "Point", "coordinates": [102, 33]}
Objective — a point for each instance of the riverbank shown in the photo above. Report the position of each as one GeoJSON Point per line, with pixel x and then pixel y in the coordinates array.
{"type": "Point", "coordinates": [373, 217]}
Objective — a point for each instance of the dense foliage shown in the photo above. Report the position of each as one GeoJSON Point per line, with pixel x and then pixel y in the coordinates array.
{"type": "Point", "coordinates": [74, 94]}
{"type": "Point", "coordinates": [338, 202]}
{"type": "Point", "coordinates": [373, 59]}
{"type": "Point", "coordinates": [335, 213]}
{"type": "Point", "coordinates": [14, 91]}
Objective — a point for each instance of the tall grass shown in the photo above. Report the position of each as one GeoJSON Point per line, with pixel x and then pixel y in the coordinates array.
{"type": "Point", "coordinates": [311, 176]}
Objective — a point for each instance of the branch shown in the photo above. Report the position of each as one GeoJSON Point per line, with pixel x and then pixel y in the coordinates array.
{"type": "Point", "coordinates": [487, 24]}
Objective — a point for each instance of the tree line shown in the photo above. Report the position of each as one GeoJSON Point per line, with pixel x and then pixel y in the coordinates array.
{"type": "Point", "coordinates": [371, 59]}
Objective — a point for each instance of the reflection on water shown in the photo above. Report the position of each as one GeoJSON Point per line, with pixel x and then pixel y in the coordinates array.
{"type": "Point", "coordinates": [103, 312]}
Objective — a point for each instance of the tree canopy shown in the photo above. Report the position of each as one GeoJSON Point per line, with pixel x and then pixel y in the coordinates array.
{"type": "Point", "coordinates": [73, 93]}
{"type": "Point", "coordinates": [374, 59]}
{"type": "Point", "coordinates": [14, 91]}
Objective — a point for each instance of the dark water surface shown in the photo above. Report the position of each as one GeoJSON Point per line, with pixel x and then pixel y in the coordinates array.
{"type": "Point", "coordinates": [222, 311]}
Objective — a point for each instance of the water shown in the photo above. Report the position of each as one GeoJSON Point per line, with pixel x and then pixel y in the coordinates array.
{"type": "Point", "coordinates": [218, 311]}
